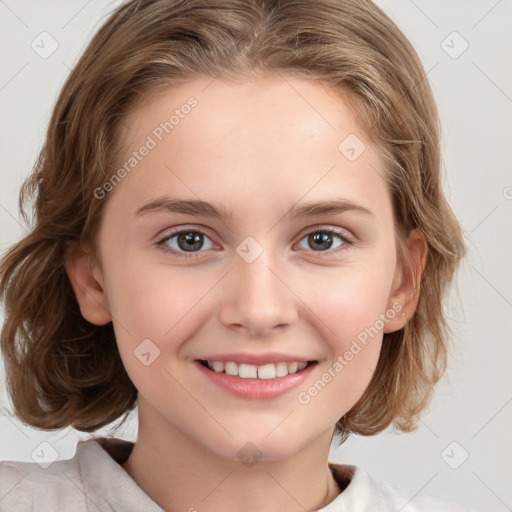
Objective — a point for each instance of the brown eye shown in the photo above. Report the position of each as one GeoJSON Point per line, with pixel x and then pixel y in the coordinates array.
{"type": "Point", "coordinates": [184, 241]}
{"type": "Point", "coordinates": [323, 240]}
{"type": "Point", "coordinates": [190, 241]}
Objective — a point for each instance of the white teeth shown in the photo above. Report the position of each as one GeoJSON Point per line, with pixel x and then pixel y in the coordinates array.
{"type": "Point", "coordinates": [217, 366]}
{"type": "Point", "coordinates": [281, 370]}
{"type": "Point", "coordinates": [231, 368]}
{"type": "Point", "coordinates": [292, 367]}
{"type": "Point", "coordinates": [250, 371]}
{"type": "Point", "coordinates": [267, 371]}
{"type": "Point", "coordinates": [247, 371]}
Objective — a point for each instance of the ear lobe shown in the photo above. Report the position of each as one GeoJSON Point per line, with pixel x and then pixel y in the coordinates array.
{"type": "Point", "coordinates": [406, 285]}
{"type": "Point", "coordinates": [87, 283]}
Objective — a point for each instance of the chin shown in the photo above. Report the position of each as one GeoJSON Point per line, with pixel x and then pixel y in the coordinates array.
{"type": "Point", "coordinates": [251, 448]}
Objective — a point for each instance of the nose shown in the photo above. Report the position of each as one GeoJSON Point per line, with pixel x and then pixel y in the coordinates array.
{"type": "Point", "coordinates": [258, 299]}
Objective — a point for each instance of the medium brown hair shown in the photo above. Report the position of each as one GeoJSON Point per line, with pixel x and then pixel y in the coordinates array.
{"type": "Point", "coordinates": [61, 369]}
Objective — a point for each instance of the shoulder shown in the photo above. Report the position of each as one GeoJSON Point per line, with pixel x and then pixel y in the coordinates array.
{"type": "Point", "coordinates": [92, 480]}
{"type": "Point", "coordinates": [24, 486]}
{"type": "Point", "coordinates": [407, 500]}
{"type": "Point", "coordinates": [367, 494]}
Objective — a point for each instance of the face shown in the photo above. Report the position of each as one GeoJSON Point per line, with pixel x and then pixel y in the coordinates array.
{"type": "Point", "coordinates": [267, 278]}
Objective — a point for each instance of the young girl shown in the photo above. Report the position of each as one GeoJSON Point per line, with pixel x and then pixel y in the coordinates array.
{"type": "Point", "coordinates": [240, 229]}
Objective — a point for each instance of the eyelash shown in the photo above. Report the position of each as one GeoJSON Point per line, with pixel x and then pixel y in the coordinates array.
{"type": "Point", "coordinates": [347, 242]}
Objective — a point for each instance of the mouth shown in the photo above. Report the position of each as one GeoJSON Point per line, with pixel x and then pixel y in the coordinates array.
{"type": "Point", "coordinates": [256, 382]}
{"type": "Point", "coordinates": [258, 372]}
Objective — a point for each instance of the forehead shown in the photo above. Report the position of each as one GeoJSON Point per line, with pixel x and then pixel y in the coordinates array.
{"type": "Point", "coordinates": [264, 106]}
{"type": "Point", "coordinates": [277, 139]}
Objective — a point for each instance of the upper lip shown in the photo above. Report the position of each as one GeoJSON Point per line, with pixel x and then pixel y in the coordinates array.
{"type": "Point", "coordinates": [256, 359]}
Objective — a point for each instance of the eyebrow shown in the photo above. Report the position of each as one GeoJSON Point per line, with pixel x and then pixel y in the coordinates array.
{"type": "Point", "coordinates": [202, 208]}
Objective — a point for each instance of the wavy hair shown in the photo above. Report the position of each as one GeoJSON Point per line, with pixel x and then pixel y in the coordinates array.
{"type": "Point", "coordinates": [64, 371]}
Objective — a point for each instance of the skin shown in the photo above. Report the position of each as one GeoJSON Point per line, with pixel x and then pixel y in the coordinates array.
{"type": "Point", "coordinates": [256, 148]}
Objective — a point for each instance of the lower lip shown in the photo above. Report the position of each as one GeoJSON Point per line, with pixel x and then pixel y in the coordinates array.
{"type": "Point", "coordinates": [256, 389]}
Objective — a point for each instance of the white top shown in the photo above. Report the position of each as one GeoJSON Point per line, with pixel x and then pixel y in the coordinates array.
{"type": "Point", "coordinates": [94, 481]}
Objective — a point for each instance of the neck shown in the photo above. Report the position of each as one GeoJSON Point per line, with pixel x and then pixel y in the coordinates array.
{"type": "Point", "coordinates": [178, 473]}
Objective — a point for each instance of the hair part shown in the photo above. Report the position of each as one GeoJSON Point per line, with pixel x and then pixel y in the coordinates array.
{"type": "Point", "coordinates": [64, 371]}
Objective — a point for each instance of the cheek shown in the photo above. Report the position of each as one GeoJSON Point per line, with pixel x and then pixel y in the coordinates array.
{"type": "Point", "coordinates": [158, 301]}
{"type": "Point", "coordinates": [165, 304]}
{"type": "Point", "coordinates": [351, 313]}
{"type": "Point", "coordinates": [350, 300]}
{"type": "Point", "coordinates": [162, 305]}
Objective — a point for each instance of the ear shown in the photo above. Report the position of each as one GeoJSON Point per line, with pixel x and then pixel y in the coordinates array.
{"type": "Point", "coordinates": [87, 281]}
{"type": "Point", "coordinates": [406, 283]}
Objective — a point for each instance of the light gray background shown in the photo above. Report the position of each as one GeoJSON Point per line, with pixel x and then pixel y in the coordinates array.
{"type": "Point", "coordinates": [472, 405]}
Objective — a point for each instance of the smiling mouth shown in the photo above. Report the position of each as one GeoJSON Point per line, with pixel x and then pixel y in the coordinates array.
{"type": "Point", "coordinates": [263, 372]}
